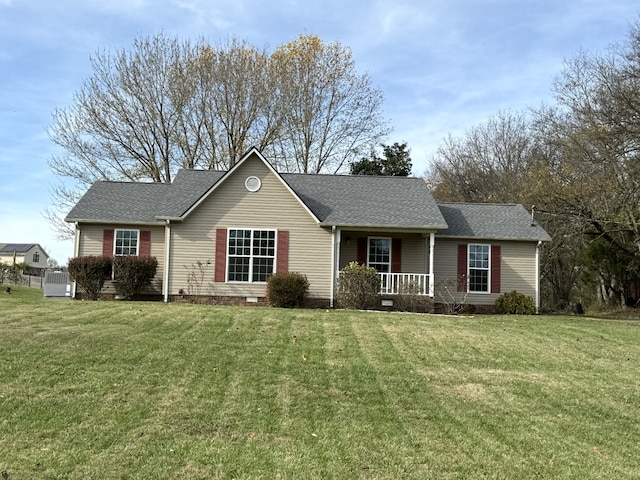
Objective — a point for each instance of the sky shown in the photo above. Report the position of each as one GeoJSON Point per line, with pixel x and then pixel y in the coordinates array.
{"type": "Point", "coordinates": [443, 66]}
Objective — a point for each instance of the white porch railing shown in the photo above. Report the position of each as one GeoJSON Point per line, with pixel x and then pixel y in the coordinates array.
{"type": "Point", "coordinates": [409, 283]}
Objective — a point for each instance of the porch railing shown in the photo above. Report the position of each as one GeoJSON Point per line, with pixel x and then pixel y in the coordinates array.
{"type": "Point", "coordinates": [408, 283]}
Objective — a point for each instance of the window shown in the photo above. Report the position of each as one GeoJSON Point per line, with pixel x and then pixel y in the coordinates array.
{"type": "Point", "coordinates": [380, 254]}
{"type": "Point", "coordinates": [36, 257]}
{"type": "Point", "coordinates": [479, 268]}
{"type": "Point", "coordinates": [126, 242]}
{"type": "Point", "coordinates": [251, 255]}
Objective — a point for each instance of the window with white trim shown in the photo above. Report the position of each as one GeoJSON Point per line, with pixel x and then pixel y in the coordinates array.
{"type": "Point", "coordinates": [126, 242]}
{"type": "Point", "coordinates": [36, 257]}
{"type": "Point", "coordinates": [478, 266]}
{"type": "Point", "coordinates": [250, 255]}
{"type": "Point", "coordinates": [379, 254]}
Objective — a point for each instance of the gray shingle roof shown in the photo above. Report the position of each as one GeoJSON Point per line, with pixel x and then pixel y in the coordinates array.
{"type": "Point", "coordinates": [342, 200]}
{"type": "Point", "coordinates": [120, 202]}
{"type": "Point", "coordinates": [490, 221]}
{"type": "Point", "coordinates": [367, 201]}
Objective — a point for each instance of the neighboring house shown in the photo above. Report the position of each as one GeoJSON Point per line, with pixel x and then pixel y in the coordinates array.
{"type": "Point", "coordinates": [251, 221]}
{"type": "Point", "coordinates": [31, 254]}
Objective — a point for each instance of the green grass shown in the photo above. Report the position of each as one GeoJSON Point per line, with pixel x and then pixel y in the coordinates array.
{"type": "Point", "coordinates": [119, 390]}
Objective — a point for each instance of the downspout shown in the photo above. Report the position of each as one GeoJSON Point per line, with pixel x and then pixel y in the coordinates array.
{"type": "Point", "coordinates": [432, 280]}
{"type": "Point", "coordinates": [76, 253]}
{"type": "Point", "coordinates": [167, 253]}
{"type": "Point", "coordinates": [538, 276]}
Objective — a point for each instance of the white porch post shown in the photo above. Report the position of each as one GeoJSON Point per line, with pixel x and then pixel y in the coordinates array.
{"type": "Point", "coordinates": [538, 277]}
{"type": "Point", "coordinates": [167, 254]}
{"type": "Point", "coordinates": [432, 281]}
{"type": "Point", "coordinates": [335, 260]}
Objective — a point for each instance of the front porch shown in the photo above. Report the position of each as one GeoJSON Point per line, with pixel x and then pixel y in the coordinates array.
{"type": "Point", "coordinates": [404, 260]}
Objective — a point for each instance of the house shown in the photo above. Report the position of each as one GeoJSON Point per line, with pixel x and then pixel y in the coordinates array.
{"type": "Point", "coordinates": [31, 254]}
{"type": "Point", "coordinates": [238, 227]}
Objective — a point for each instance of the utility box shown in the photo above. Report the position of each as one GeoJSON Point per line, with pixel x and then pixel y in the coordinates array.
{"type": "Point", "coordinates": [57, 285]}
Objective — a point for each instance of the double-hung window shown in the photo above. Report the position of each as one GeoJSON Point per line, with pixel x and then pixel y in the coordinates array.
{"type": "Point", "coordinates": [379, 254]}
{"type": "Point", "coordinates": [126, 242]}
{"type": "Point", "coordinates": [251, 255]}
{"type": "Point", "coordinates": [479, 263]}
{"type": "Point", "coordinates": [36, 257]}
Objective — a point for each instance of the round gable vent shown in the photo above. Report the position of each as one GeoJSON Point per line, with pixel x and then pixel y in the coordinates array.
{"type": "Point", "coordinates": [252, 184]}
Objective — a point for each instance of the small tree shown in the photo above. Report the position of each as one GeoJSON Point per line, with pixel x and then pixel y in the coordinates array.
{"type": "Point", "coordinates": [358, 286]}
{"type": "Point", "coordinates": [287, 289]}
{"type": "Point", "coordinates": [89, 273]}
{"type": "Point", "coordinates": [196, 273]}
{"type": "Point", "coordinates": [447, 292]}
{"type": "Point", "coordinates": [132, 274]}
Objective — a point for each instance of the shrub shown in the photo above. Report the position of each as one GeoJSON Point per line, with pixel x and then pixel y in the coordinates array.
{"type": "Point", "coordinates": [358, 286]}
{"type": "Point", "coordinates": [132, 274]}
{"type": "Point", "coordinates": [90, 273]}
{"type": "Point", "coordinates": [408, 298]}
{"type": "Point", "coordinates": [287, 289]}
{"type": "Point", "coordinates": [515, 303]}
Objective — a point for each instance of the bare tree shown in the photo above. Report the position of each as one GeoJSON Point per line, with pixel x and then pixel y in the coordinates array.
{"type": "Point", "coordinates": [238, 94]}
{"type": "Point", "coordinates": [490, 163]}
{"type": "Point", "coordinates": [331, 114]}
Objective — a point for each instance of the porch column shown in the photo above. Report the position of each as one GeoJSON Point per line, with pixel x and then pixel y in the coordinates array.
{"type": "Point", "coordinates": [537, 300]}
{"type": "Point", "coordinates": [335, 260]}
{"type": "Point", "coordinates": [432, 280]}
{"type": "Point", "coordinates": [167, 262]}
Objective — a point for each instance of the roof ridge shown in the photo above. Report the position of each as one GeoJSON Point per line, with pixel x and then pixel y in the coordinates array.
{"type": "Point", "coordinates": [510, 204]}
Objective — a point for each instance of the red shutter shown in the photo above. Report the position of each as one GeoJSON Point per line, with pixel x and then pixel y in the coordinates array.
{"type": "Point", "coordinates": [362, 250]}
{"type": "Point", "coordinates": [495, 268]}
{"type": "Point", "coordinates": [221, 255]}
{"type": "Point", "coordinates": [107, 243]}
{"type": "Point", "coordinates": [282, 262]}
{"type": "Point", "coordinates": [396, 255]}
{"type": "Point", "coordinates": [145, 244]}
{"type": "Point", "coordinates": [462, 267]}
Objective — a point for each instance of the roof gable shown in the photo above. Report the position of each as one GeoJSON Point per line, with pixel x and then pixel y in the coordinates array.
{"type": "Point", "coordinates": [252, 153]}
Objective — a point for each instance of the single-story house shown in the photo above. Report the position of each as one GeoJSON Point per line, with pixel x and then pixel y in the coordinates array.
{"type": "Point", "coordinates": [238, 227]}
{"type": "Point", "coordinates": [31, 254]}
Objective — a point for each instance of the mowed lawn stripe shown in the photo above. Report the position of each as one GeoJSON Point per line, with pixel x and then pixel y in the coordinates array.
{"type": "Point", "coordinates": [151, 390]}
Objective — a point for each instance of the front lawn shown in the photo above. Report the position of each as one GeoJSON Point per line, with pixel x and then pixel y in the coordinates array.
{"type": "Point", "coordinates": [106, 390]}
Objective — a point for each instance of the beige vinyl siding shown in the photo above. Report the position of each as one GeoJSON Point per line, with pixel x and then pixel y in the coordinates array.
{"type": "Point", "coordinates": [232, 206]}
{"type": "Point", "coordinates": [414, 249]}
{"type": "Point", "coordinates": [91, 244]}
{"type": "Point", "coordinates": [517, 268]}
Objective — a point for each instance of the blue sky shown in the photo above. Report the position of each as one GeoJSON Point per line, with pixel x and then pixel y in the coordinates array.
{"type": "Point", "coordinates": [443, 65]}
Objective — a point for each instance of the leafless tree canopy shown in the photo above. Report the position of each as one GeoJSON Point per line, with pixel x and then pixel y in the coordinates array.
{"type": "Point", "coordinates": [166, 104]}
